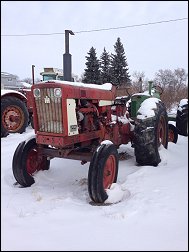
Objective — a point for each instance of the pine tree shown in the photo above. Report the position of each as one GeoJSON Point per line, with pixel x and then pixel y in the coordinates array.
{"type": "Point", "coordinates": [105, 63]}
{"type": "Point", "coordinates": [119, 66]}
{"type": "Point", "coordinates": [92, 72]}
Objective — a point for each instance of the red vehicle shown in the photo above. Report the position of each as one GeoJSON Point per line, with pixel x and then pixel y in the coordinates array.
{"type": "Point", "coordinates": [87, 122]}
{"type": "Point", "coordinates": [15, 111]}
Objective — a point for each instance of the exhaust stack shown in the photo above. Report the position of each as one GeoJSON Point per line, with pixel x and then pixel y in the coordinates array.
{"type": "Point", "coordinates": [67, 65]}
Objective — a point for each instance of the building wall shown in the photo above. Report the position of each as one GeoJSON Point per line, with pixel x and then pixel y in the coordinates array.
{"type": "Point", "coordinates": [8, 80]}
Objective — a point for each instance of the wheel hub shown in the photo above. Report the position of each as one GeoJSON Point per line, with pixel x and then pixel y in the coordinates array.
{"type": "Point", "coordinates": [109, 172]}
{"type": "Point", "coordinates": [12, 118]}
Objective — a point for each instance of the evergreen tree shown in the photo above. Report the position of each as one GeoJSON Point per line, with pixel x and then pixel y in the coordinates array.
{"type": "Point", "coordinates": [105, 63]}
{"type": "Point", "coordinates": [119, 66]}
{"type": "Point", "coordinates": [92, 72]}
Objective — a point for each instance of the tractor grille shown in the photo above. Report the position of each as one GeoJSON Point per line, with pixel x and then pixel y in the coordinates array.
{"type": "Point", "coordinates": [49, 111]}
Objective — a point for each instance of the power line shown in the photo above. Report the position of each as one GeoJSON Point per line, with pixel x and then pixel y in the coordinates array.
{"type": "Point", "coordinates": [97, 30]}
{"type": "Point", "coordinates": [129, 26]}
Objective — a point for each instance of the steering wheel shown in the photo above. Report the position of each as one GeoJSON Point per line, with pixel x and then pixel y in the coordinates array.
{"type": "Point", "coordinates": [159, 89]}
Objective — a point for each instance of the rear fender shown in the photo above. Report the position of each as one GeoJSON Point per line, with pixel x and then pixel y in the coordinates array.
{"type": "Point", "coordinates": [14, 93]}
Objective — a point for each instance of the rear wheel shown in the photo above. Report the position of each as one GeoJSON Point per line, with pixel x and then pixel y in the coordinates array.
{"type": "Point", "coordinates": [173, 133]}
{"type": "Point", "coordinates": [103, 172]}
{"type": "Point", "coordinates": [27, 161]}
{"type": "Point", "coordinates": [14, 116]}
{"type": "Point", "coordinates": [149, 134]}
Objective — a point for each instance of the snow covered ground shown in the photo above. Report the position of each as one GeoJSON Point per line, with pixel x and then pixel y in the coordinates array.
{"type": "Point", "coordinates": [56, 213]}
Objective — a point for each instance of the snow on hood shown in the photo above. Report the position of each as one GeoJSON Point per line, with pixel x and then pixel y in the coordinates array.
{"type": "Point", "coordinates": [105, 86]}
{"type": "Point", "coordinates": [142, 93]}
{"type": "Point", "coordinates": [147, 108]}
{"type": "Point", "coordinates": [183, 102]}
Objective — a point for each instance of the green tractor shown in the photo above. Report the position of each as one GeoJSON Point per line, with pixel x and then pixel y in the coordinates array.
{"type": "Point", "coordinates": [151, 125]}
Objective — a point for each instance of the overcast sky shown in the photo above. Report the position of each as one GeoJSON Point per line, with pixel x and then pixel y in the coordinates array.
{"type": "Point", "coordinates": [148, 48]}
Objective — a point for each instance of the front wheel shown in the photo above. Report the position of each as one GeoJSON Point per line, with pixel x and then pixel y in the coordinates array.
{"type": "Point", "coordinates": [27, 161]}
{"type": "Point", "coordinates": [103, 171]}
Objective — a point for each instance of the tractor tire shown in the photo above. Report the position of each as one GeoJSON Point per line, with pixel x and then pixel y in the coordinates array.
{"type": "Point", "coordinates": [182, 120]}
{"type": "Point", "coordinates": [103, 171]}
{"type": "Point", "coordinates": [4, 132]}
{"type": "Point", "coordinates": [149, 134]}
{"type": "Point", "coordinates": [172, 133]}
{"type": "Point", "coordinates": [26, 162]}
{"type": "Point", "coordinates": [14, 116]}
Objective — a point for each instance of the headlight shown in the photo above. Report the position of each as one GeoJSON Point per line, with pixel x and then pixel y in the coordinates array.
{"type": "Point", "coordinates": [57, 92]}
{"type": "Point", "coordinates": [36, 93]}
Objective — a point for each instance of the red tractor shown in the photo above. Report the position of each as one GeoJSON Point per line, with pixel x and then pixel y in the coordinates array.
{"type": "Point", "coordinates": [16, 111]}
{"type": "Point", "coordinates": [87, 122]}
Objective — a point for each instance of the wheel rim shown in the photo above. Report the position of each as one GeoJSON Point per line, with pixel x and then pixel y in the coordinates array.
{"type": "Point", "coordinates": [171, 135]}
{"type": "Point", "coordinates": [13, 118]}
{"type": "Point", "coordinates": [161, 131]}
{"type": "Point", "coordinates": [34, 162]}
{"type": "Point", "coordinates": [109, 172]}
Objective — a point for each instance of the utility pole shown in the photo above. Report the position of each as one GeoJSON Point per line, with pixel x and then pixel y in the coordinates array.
{"type": "Point", "coordinates": [67, 61]}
